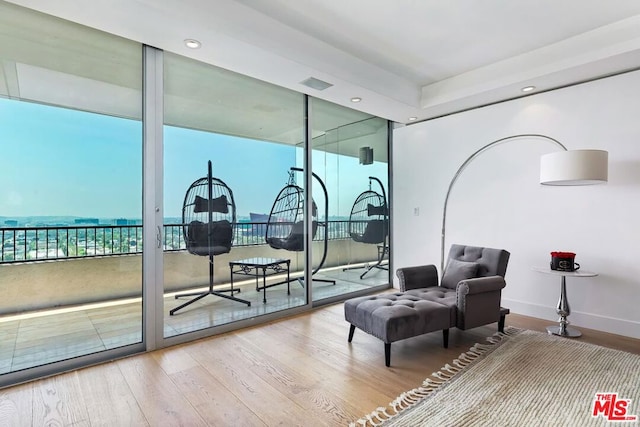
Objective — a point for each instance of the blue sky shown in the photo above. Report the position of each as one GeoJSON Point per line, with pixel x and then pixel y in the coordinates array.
{"type": "Point", "coordinates": [56, 161]}
{"type": "Point", "coordinates": [254, 170]}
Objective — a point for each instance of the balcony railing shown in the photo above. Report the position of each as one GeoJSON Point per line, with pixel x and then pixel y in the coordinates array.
{"type": "Point", "coordinates": [28, 244]}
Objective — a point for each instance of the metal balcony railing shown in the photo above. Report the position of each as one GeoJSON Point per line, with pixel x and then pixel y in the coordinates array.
{"type": "Point", "coordinates": [29, 244]}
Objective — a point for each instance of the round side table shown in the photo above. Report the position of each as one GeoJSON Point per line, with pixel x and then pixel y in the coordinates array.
{"type": "Point", "coordinates": [564, 311]}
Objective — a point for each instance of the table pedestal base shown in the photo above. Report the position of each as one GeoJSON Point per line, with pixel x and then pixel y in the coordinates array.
{"type": "Point", "coordinates": [568, 332]}
{"type": "Point", "coordinates": [563, 309]}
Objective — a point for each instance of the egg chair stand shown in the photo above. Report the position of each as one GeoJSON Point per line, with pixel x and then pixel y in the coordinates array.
{"type": "Point", "coordinates": [369, 223]}
{"type": "Point", "coordinates": [285, 225]}
{"type": "Point", "coordinates": [208, 218]}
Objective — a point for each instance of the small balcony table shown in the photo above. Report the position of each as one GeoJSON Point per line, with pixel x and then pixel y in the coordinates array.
{"type": "Point", "coordinates": [260, 266]}
{"type": "Point", "coordinates": [564, 311]}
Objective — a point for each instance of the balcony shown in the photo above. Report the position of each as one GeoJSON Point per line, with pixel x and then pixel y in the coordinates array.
{"type": "Point", "coordinates": [70, 291]}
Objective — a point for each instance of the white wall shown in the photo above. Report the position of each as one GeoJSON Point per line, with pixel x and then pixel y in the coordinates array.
{"type": "Point", "coordinates": [498, 202]}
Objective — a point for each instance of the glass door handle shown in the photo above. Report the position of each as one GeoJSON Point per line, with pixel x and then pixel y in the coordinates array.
{"type": "Point", "coordinates": [159, 237]}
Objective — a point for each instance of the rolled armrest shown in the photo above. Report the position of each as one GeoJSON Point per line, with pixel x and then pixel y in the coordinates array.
{"type": "Point", "coordinates": [481, 284]}
{"type": "Point", "coordinates": [422, 276]}
{"type": "Point", "coordinates": [478, 301]}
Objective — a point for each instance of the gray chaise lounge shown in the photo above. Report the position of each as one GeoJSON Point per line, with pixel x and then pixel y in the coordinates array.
{"type": "Point", "coordinates": [467, 297]}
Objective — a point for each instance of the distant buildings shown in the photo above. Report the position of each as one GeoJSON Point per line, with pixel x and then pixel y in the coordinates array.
{"type": "Point", "coordinates": [125, 221]}
{"type": "Point", "coordinates": [86, 221]}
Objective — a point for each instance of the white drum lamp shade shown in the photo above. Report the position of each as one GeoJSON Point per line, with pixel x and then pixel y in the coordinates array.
{"type": "Point", "coordinates": [574, 167]}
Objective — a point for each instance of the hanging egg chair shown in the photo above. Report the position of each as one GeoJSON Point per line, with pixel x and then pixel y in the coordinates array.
{"type": "Point", "coordinates": [368, 218]}
{"type": "Point", "coordinates": [369, 223]}
{"type": "Point", "coordinates": [208, 221]}
{"type": "Point", "coordinates": [286, 226]}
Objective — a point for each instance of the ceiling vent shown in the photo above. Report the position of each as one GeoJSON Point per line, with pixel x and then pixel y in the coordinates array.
{"type": "Point", "coordinates": [317, 84]}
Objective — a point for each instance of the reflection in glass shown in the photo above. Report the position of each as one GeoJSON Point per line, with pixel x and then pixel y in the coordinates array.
{"type": "Point", "coordinates": [350, 155]}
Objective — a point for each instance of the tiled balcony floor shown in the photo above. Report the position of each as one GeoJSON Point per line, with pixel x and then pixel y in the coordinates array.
{"type": "Point", "coordinates": [34, 339]}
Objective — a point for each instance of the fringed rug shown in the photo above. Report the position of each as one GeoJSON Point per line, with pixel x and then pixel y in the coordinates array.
{"type": "Point", "coordinates": [523, 378]}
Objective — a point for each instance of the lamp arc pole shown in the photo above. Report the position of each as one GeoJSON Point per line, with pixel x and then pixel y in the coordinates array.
{"type": "Point", "coordinates": [466, 163]}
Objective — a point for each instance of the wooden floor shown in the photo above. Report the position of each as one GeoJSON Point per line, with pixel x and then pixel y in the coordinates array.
{"type": "Point", "coordinates": [296, 371]}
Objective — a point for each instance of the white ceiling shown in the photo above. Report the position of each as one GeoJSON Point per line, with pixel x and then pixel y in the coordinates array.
{"type": "Point", "coordinates": [420, 58]}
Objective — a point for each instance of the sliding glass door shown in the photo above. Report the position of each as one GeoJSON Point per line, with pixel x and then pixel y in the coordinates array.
{"type": "Point", "coordinates": [230, 143]}
{"type": "Point", "coordinates": [71, 200]}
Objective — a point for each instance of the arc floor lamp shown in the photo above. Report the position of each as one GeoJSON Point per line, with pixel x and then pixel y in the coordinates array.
{"type": "Point", "coordinates": [565, 167]}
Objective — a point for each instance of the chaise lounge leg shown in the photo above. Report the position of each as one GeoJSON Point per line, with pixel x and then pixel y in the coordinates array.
{"type": "Point", "coordinates": [503, 314]}
{"type": "Point", "coordinates": [387, 354]}
{"type": "Point", "coordinates": [352, 329]}
{"type": "Point", "coordinates": [445, 338]}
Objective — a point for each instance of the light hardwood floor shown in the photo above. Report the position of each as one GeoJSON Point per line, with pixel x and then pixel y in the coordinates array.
{"type": "Point", "coordinates": [295, 371]}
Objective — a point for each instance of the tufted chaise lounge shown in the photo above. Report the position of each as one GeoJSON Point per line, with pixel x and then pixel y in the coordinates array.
{"type": "Point", "coordinates": [468, 296]}
{"type": "Point", "coordinates": [396, 316]}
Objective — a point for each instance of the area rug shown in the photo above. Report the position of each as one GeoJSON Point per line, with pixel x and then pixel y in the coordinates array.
{"type": "Point", "coordinates": [523, 378]}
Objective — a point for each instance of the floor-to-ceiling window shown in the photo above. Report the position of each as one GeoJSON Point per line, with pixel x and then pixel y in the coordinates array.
{"type": "Point", "coordinates": [71, 198]}
{"type": "Point", "coordinates": [350, 159]}
{"type": "Point", "coordinates": [236, 222]}
{"type": "Point", "coordinates": [250, 133]}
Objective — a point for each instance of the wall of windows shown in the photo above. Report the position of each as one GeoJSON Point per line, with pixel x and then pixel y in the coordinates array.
{"type": "Point", "coordinates": [75, 225]}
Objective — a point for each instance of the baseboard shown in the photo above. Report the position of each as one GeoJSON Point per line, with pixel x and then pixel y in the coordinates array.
{"type": "Point", "coordinates": [612, 325]}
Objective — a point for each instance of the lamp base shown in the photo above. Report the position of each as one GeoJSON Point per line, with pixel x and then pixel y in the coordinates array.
{"type": "Point", "coordinates": [568, 332]}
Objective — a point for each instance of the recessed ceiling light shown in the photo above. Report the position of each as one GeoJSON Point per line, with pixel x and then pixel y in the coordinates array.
{"type": "Point", "coordinates": [528, 88]}
{"type": "Point", "coordinates": [356, 99]}
{"type": "Point", "coordinates": [412, 119]}
{"type": "Point", "coordinates": [192, 43]}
